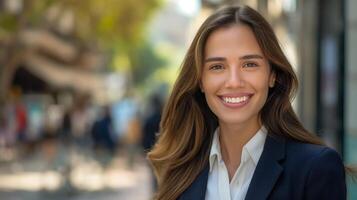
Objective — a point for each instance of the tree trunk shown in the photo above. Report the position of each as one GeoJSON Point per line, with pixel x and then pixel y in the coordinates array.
{"type": "Point", "coordinates": [14, 51]}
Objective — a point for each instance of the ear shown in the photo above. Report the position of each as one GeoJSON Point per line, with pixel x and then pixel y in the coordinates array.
{"type": "Point", "coordinates": [272, 79]}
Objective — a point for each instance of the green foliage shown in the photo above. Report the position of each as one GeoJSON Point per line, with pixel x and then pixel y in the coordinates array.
{"type": "Point", "coordinates": [144, 62]}
{"type": "Point", "coordinates": [7, 23]}
{"type": "Point", "coordinates": [119, 25]}
{"type": "Point", "coordinates": [108, 24]}
{"type": "Point", "coordinates": [36, 11]}
{"type": "Point", "coordinates": [111, 22]}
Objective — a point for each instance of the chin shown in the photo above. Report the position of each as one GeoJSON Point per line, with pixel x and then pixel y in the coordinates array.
{"type": "Point", "coordinates": [233, 121]}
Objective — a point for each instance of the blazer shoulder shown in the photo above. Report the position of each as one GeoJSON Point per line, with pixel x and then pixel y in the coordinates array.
{"type": "Point", "coordinates": [297, 154]}
{"type": "Point", "coordinates": [304, 154]}
{"type": "Point", "coordinates": [317, 172]}
{"type": "Point", "coordinates": [322, 169]}
{"type": "Point", "coordinates": [309, 151]}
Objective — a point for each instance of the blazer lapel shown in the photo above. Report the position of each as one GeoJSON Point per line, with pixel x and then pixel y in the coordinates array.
{"type": "Point", "coordinates": [268, 169]}
{"type": "Point", "coordinates": [197, 189]}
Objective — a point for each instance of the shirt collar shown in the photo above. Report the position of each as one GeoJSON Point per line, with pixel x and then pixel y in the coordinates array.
{"type": "Point", "coordinates": [215, 153]}
{"type": "Point", "coordinates": [254, 147]}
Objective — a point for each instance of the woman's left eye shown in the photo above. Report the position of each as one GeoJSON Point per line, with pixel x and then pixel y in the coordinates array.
{"type": "Point", "coordinates": [250, 65]}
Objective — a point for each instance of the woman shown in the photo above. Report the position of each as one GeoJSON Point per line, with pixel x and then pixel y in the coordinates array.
{"type": "Point", "coordinates": [229, 131]}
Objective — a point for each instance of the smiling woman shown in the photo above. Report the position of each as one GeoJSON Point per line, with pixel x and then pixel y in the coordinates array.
{"type": "Point", "coordinates": [235, 79]}
{"type": "Point", "coordinates": [229, 131]}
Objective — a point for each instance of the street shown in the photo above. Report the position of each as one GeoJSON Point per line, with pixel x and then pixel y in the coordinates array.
{"type": "Point", "coordinates": [33, 179]}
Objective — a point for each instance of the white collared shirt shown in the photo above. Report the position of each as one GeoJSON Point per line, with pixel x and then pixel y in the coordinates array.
{"type": "Point", "coordinates": [218, 185]}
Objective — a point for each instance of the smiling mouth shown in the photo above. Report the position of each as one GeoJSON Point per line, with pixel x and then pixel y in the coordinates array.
{"type": "Point", "coordinates": [235, 99]}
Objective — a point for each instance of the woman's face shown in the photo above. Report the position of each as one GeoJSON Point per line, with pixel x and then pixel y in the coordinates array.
{"type": "Point", "coordinates": [235, 76]}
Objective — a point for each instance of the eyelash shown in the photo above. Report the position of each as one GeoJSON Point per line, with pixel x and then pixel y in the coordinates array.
{"type": "Point", "coordinates": [250, 63]}
{"type": "Point", "coordinates": [214, 67]}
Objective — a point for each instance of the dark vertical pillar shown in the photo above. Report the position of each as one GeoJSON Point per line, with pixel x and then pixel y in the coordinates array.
{"type": "Point", "coordinates": [330, 73]}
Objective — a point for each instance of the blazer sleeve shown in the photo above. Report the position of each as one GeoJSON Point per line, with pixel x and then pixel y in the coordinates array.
{"type": "Point", "coordinates": [326, 177]}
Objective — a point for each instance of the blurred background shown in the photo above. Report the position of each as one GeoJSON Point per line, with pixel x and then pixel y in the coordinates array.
{"type": "Point", "coordinates": [83, 83]}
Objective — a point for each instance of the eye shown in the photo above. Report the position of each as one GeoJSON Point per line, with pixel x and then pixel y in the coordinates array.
{"type": "Point", "coordinates": [250, 64]}
{"type": "Point", "coordinates": [216, 67]}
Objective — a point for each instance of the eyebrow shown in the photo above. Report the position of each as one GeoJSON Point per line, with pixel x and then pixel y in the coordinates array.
{"type": "Point", "coordinates": [251, 56]}
{"type": "Point", "coordinates": [245, 57]}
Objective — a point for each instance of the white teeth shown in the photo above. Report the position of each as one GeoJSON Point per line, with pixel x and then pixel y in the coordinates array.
{"type": "Point", "coordinates": [235, 99]}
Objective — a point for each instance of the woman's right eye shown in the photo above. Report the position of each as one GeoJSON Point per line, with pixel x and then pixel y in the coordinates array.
{"type": "Point", "coordinates": [215, 67]}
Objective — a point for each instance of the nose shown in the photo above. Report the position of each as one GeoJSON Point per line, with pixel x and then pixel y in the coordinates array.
{"type": "Point", "coordinates": [234, 78]}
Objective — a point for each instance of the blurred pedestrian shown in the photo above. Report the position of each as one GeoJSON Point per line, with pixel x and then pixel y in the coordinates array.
{"type": "Point", "coordinates": [8, 128]}
{"type": "Point", "coordinates": [102, 133]}
{"type": "Point", "coordinates": [66, 126]}
{"type": "Point", "coordinates": [152, 123]}
{"type": "Point", "coordinates": [50, 136]}
{"type": "Point", "coordinates": [21, 121]}
{"type": "Point", "coordinates": [229, 130]}
{"type": "Point", "coordinates": [4, 131]}
{"type": "Point", "coordinates": [123, 112]}
{"type": "Point", "coordinates": [151, 128]}
{"type": "Point", "coordinates": [132, 139]}
{"type": "Point", "coordinates": [81, 123]}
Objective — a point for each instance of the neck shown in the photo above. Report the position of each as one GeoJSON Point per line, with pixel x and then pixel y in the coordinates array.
{"type": "Point", "coordinates": [232, 139]}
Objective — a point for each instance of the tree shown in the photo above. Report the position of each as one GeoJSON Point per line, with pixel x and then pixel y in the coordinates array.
{"type": "Point", "coordinates": [104, 24]}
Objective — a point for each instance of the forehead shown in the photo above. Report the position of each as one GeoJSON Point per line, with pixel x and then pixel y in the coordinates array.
{"type": "Point", "coordinates": [235, 39]}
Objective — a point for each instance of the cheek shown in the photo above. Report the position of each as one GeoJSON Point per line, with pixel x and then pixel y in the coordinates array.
{"type": "Point", "coordinates": [263, 90]}
{"type": "Point", "coordinates": [260, 83]}
{"type": "Point", "coordinates": [209, 83]}
{"type": "Point", "coordinates": [212, 103]}
{"type": "Point", "coordinates": [209, 86]}
{"type": "Point", "coordinates": [203, 81]}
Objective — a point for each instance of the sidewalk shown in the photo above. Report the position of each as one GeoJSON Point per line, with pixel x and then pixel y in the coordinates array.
{"type": "Point", "coordinates": [30, 179]}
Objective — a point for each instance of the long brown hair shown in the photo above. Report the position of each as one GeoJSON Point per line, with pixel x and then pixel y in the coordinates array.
{"type": "Point", "coordinates": [187, 126]}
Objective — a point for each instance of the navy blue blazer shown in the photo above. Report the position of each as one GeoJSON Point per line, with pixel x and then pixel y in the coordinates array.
{"type": "Point", "coordinates": [288, 170]}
